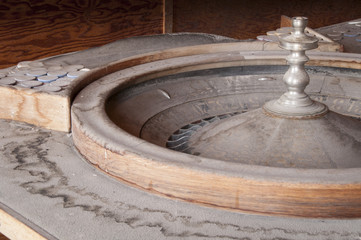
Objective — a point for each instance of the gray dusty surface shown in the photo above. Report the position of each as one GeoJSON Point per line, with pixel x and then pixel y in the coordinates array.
{"type": "Point", "coordinates": [346, 33]}
{"type": "Point", "coordinates": [49, 184]}
{"type": "Point", "coordinates": [100, 56]}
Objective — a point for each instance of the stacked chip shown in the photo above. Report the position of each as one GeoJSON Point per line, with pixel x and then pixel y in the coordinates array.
{"type": "Point", "coordinates": [44, 76]}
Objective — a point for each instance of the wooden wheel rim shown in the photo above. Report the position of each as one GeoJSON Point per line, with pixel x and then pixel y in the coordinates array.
{"type": "Point", "coordinates": [329, 193]}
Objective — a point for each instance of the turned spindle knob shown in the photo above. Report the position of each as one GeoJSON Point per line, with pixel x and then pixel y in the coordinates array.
{"type": "Point", "coordinates": [295, 103]}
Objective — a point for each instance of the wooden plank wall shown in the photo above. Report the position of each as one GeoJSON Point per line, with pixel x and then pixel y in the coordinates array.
{"type": "Point", "coordinates": [32, 29]}
{"type": "Point", "coordinates": [249, 18]}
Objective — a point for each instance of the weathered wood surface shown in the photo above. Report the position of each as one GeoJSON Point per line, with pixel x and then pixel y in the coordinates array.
{"type": "Point", "coordinates": [181, 177]}
{"type": "Point", "coordinates": [15, 229]}
{"type": "Point", "coordinates": [53, 27]}
{"type": "Point", "coordinates": [36, 29]}
{"type": "Point", "coordinates": [52, 110]}
{"type": "Point", "coordinates": [38, 108]}
{"type": "Point", "coordinates": [70, 199]}
{"type": "Point", "coordinates": [245, 195]}
{"type": "Point", "coordinates": [31, 30]}
{"type": "Point", "coordinates": [250, 18]}
{"type": "Point", "coordinates": [168, 16]}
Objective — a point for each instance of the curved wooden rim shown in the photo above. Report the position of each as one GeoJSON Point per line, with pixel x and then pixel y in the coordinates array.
{"type": "Point", "coordinates": [264, 190]}
{"type": "Point", "coordinates": [252, 48]}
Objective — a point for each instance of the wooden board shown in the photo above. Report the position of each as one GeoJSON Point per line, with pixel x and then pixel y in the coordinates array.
{"type": "Point", "coordinates": [251, 18]}
{"type": "Point", "coordinates": [15, 229]}
{"type": "Point", "coordinates": [167, 16]}
{"type": "Point", "coordinates": [41, 109]}
{"type": "Point", "coordinates": [244, 195]}
{"type": "Point", "coordinates": [36, 29]}
{"type": "Point", "coordinates": [31, 30]}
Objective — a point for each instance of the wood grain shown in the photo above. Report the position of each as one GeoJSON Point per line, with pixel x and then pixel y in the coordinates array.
{"type": "Point", "coordinates": [167, 16]}
{"type": "Point", "coordinates": [41, 109]}
{"type": "Point", "coordinates": [36, 29]}
{"type": "Point", "coordinates": [148, 168]}
{"type": "Point", "coordinates": [244, 195]}
{"type": "Point", "coordinates": [250, 18]}
{"type": "Point", "coordinates": [15, 229]}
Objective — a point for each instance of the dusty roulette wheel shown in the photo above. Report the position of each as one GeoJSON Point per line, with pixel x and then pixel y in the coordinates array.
{"type": "Point", "coordinates": [210, 124]}
{"type": "Point", "coordinates": [245, 152]}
